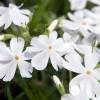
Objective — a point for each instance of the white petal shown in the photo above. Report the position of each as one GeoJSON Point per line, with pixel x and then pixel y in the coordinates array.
{"type": "Point", "coordinates": [27, 55]}
{"type": "Point", "coordinates": [95, 85]}
{"type": "Point", "coordinates": [78, 4]}
{"type": "Point", "coordinates": [53, 62]}
{"type": "Point", "coordinates": [18, 18]}
{"type": "Point", "coordinates": [67, 97]}
{"type": "Point", "coordinates": [84, 32]}
{"type": "Point", "coordinates": [5, 54]}
{"type": "Point", "coordinates": [97, 98]}
{"type": "Point", "coordinates": [59, 45]}
{"type": "Point", "coordinates": [95, 1]}
{"type": "Point", "coordinates": [91, 60]}
{"type": "Point", "coordinates": [17, 45]}
{"type": "Point", "coordinates": [53, 36]}
{"type": "Point", "coordinates": [6, 19]}
{"type": "Point", "coordinates": [2, 10]}
{"type": "Point", "coordinates": [65, 24]}
{"type": "Point", "coordinates": [84, 49]}
{"type": "Point", "coordinates": [75, 90]}
{"type": "Point", "coordinates": [56, 60]}
{"type": "Point", "coordinates": [77, 15]}
{"type": "Point", "coordinates": [25, 69]}
{"type": "Point", "coordinates": [26, 12]}
{"type": "Point", "coordinates": [43, 39]}
{"type": "Point", "coordinates": [33, 49]}
{"type": "Point", "coordinates": [73, 63]}
{"type": "Point", "coordinates": [77, 80]}
{"type": "Point", "coordinates": [39, 43]}
{"type": "Point", "coordinates": [96, 73]}
{"type": "Point", "coordinates": [66, 36]}
{"type": "Point", "coordinates": [7, 71]}
{"type": "Point", "coordinates": [40, 60]}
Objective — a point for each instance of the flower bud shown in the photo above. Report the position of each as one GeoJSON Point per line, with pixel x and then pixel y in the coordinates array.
{"type": "Point", "coordinates": [59, 84]}
{"type": "Point", "coordinates": [53, 25]}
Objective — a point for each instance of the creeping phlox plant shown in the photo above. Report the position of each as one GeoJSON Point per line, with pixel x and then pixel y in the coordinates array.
{"type": "Point", "coordinates": [77, 50]}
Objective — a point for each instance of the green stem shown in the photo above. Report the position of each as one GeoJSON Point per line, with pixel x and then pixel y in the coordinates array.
{"type": "Point", "coordinates": [26, 89]}
{"type": "Point", "coordinates": [70, 75]}
{"type": "Point", "coordinates": [9, 95]}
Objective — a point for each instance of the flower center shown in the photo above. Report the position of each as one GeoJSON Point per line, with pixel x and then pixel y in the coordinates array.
{"type": "Point", "coordinates": [49, 46]}
{"type": "Point", "coordinates": [88, 72]}
{"type": "Point", "coordinates": [17, 57]}
{"type": "Point", "coordinates": [83, 23]}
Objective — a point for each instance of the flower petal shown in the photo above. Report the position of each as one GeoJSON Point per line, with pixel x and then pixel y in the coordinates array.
{"type": "Point", "coordinates": [73, 63]}
{"type": "Point", "coordinates": [77, 80]}
{"type": "Point", "coordinates": [97, 98]}
{"type": "Point", "coordinates": [25, 69]}
{"type": "Point", "coordinates": [77, 4]}
{"type": "Point", "coordinates": [96, 2]}
{"type": "Point", "coordinates": [5, 54]}
{"type": "Point", "coordinates": [91, 60]}
{"type": "Point", "coordinates": [40, 60]}
{"type": "Point", "coordinates": [56, 60]}
{"type": "Point", "coordinates": [96, 73]}
{"type": "Point", "coordinates": [67, 97]}
{"type": "Point", "coordinates": [18, 18]}
{"type": "Point", "coordinates": [39, 42]}
{"type": "Point", "coordinates": [17, 45]}
{"type": "Point", "coordinates": [26, 12]}
{"type": "Point", "coordinates": [66, 24]}
{"type": "Point", "coordinates": [7, 71]}
{"type": "Point", "coordinates": [53, 36]}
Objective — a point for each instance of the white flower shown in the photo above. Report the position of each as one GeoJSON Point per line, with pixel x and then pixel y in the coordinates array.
{"type": "Point", "coordinates": [80, 22]}
{"type": "Point", "coordinates": [70, 38]}
{"type": "Point", "coordinates": [13, 57]}
{"type": "Point", "coordinates": [80, 4]}
{"type": "Point", "coordinates": [97, 98]}
{"type": "Point", "coordinates": [13, 14]}
{"type": "Point", "coordinates": [84, 66]}
{"type": "Point", "coordinates": [83, 91]}
{"type": "Point", "coordinates": [47, 47]}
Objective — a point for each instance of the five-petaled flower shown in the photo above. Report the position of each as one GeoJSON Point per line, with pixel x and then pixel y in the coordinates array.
{"type": "Point", "coordinates": [13, 57]}
{"type": "Point", "coordinates": [13, 14]}
{"type": "Point", "coordinates": [84, 66]}
{"type": "Point", "coordinates": [47, 48]}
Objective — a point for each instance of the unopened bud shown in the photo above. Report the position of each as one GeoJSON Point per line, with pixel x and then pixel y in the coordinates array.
{"type": "Point", "coordinates": [53, 25]}
{"type": "Point", "coordinates": [59, 84]}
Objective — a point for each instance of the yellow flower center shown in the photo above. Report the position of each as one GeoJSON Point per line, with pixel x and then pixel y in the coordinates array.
{"type": "Point", "coordinates": [49, 46]}
{"type": "Point", "coordinates": [17, 57]}
{"type": "Point", "coordinates": [88, 72]}
{"type": "Point", "coordinates": [83, 23]}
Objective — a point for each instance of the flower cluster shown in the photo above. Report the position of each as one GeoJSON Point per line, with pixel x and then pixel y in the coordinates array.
{"type": "Point", "coordinates": [77, 50]}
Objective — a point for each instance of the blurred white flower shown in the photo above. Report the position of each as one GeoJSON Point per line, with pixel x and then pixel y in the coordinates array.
{"type": "Point", "coordinates": [80, 22]}
{"type": "Point", "coordinates": [68, 38]}
{"type": "Point", "coordinates": [94, 14]}
{"type": "Point", "coordinates": [13, 14]}
{"type": "Point", "coordinates": [13, 57]}
{"type": "Point", "coordinates": [85, 66]}
{"type": "Point", "coordinates": [80, 4]}
{"type": "Point", "coordinates": [47, 47]}
{"type": "Point", "coordinates": [83, 91]}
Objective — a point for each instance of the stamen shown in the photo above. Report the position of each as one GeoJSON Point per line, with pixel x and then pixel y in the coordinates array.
{"type": "Point", "coordinates": [17, 57]}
